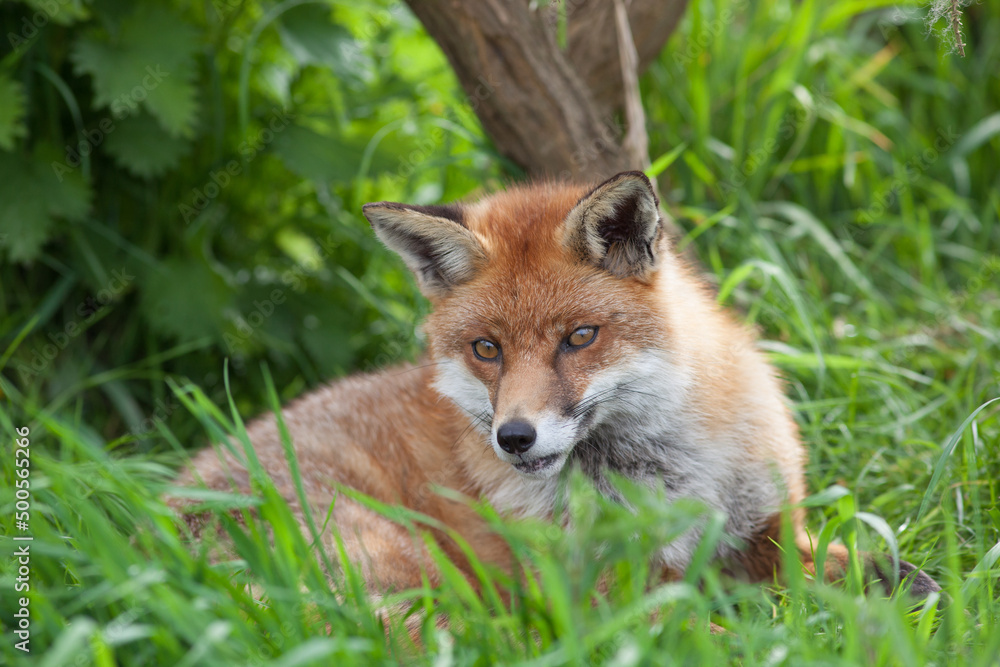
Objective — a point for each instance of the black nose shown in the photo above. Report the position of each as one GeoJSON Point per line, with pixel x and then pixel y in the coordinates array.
{"type": "Point", "coordinates": [516, 437]}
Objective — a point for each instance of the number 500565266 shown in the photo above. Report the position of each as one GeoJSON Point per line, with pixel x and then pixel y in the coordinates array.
{"type": "Point", "coordinates": [22, 463]}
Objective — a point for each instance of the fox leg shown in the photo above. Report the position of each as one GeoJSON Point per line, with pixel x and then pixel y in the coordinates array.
{"type": "Point", "coordinates": [878, 569]}
{"type": "Point", "coordinates": [763, 558]}
{"type": "Point", "coordinates": [390, 556]}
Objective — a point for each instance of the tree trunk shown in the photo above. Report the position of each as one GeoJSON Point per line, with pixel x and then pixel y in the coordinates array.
{"type": "Point", "coordinates": [552, 111]}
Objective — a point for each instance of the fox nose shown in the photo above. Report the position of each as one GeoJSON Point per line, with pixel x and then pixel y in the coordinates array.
{"type": "Point", "coordinates": [516, 437]}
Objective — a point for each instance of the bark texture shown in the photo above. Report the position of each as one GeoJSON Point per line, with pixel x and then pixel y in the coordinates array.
{"type": "Point", "coordinates": [550, 111]}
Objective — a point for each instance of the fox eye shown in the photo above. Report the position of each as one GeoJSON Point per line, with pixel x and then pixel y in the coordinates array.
{"type": "Point", "coordinates": [485, 350]}
{"type": "Point", "coordinates": [582, 337]}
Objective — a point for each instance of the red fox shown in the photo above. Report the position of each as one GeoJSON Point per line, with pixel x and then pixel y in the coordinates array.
{"type": "Point", "coordinates": [564, 333]}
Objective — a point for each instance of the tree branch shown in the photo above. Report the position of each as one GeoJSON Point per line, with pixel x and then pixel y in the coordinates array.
{"type": "Point", "coordinates": [547, 110]}
{"type": "Point", "coordinates": [591, 37]}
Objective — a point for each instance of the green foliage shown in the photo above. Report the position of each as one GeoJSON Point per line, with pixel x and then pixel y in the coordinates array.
{"type": "Point", "coordinates": [831, 165]}
{"type": "Point", "coordinates": [219, 154]}
{"type": "Point", "coordinates": [33, 199]}
{"type": "Point", "coordinates": [147, 58]}
{"type": "Point", "coordinates": [127, 586]}
{"type": "Point", "coordinates": [142, 146]}
{"type": "Point", "coordinates": [11, 112]}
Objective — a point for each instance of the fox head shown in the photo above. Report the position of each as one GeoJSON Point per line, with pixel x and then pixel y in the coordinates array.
{"type": "Point", "coordinates": [544, 309]}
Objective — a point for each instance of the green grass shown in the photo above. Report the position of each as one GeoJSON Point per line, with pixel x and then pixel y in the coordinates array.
{"type": "Point", "coordinates": [810, 188]}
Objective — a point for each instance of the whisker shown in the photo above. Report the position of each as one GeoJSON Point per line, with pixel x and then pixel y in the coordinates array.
{"type": "Point", "coordinates": [587, 404]}
{"type": "Point", "coordinates": [483, 417]}
{"type": "Point", "coordinates": [612, 393]}
{"type": "Point", "coordinates": [598, 395]}
{"type": "Point", "coordinates": [475, 418]}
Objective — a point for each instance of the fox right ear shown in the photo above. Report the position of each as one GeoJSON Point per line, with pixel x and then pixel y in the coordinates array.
{"type": "Point", "coordinates": [432, 240]}
{"type": "Point", "coordinates": [617, 226]}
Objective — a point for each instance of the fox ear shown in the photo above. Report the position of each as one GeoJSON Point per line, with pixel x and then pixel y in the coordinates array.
{"type": "Point", "coordinates": [432, 240]}
{"type": "Point", "coordinates": [617, 226]}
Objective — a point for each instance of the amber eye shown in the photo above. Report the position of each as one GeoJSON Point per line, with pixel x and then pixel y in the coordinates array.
{"type": "Point", "coordinates": [486, 350]}
{"type": "Point", "coordinates": [582, 337]}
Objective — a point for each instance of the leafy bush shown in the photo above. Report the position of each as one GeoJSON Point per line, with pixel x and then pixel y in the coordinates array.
{"type": "Point", "coordinates": [182, 183]}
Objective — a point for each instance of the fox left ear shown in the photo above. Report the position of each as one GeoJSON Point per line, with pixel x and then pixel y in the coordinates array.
{"type": "Point", "coordinates": [432, 240]}
{"type": "Point", "coordinates": [617, 226]}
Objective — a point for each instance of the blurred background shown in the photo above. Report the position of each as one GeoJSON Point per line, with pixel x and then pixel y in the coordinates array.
{"type": "Point", "coordinates": [181, 184]}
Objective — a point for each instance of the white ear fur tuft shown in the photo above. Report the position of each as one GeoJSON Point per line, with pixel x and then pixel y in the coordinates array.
{"type": "Point", "coordinates": [432, 240]}
{"type": "Point", "coordinates": [617, 226]}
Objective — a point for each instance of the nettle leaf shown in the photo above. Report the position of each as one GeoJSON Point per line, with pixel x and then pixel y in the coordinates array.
{"type": "Point", "coordinates": [63, 12]}
{"type": "Point", "coordinates": [309, 34]}
{"type": "Point", "coordinates": [12, 107]}
{"type": "Point", "coordinates": [35, 192]}
{"type": "Point", "coordinates": [184, 299]}
{"type": "Point", "coordinates": [148, 62]}
{"type": "Point", "coordinates": [141, 145]}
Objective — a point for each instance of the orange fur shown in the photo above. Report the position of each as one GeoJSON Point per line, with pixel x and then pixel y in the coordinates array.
{"type": "Point", "coordinates": [523, 269]}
